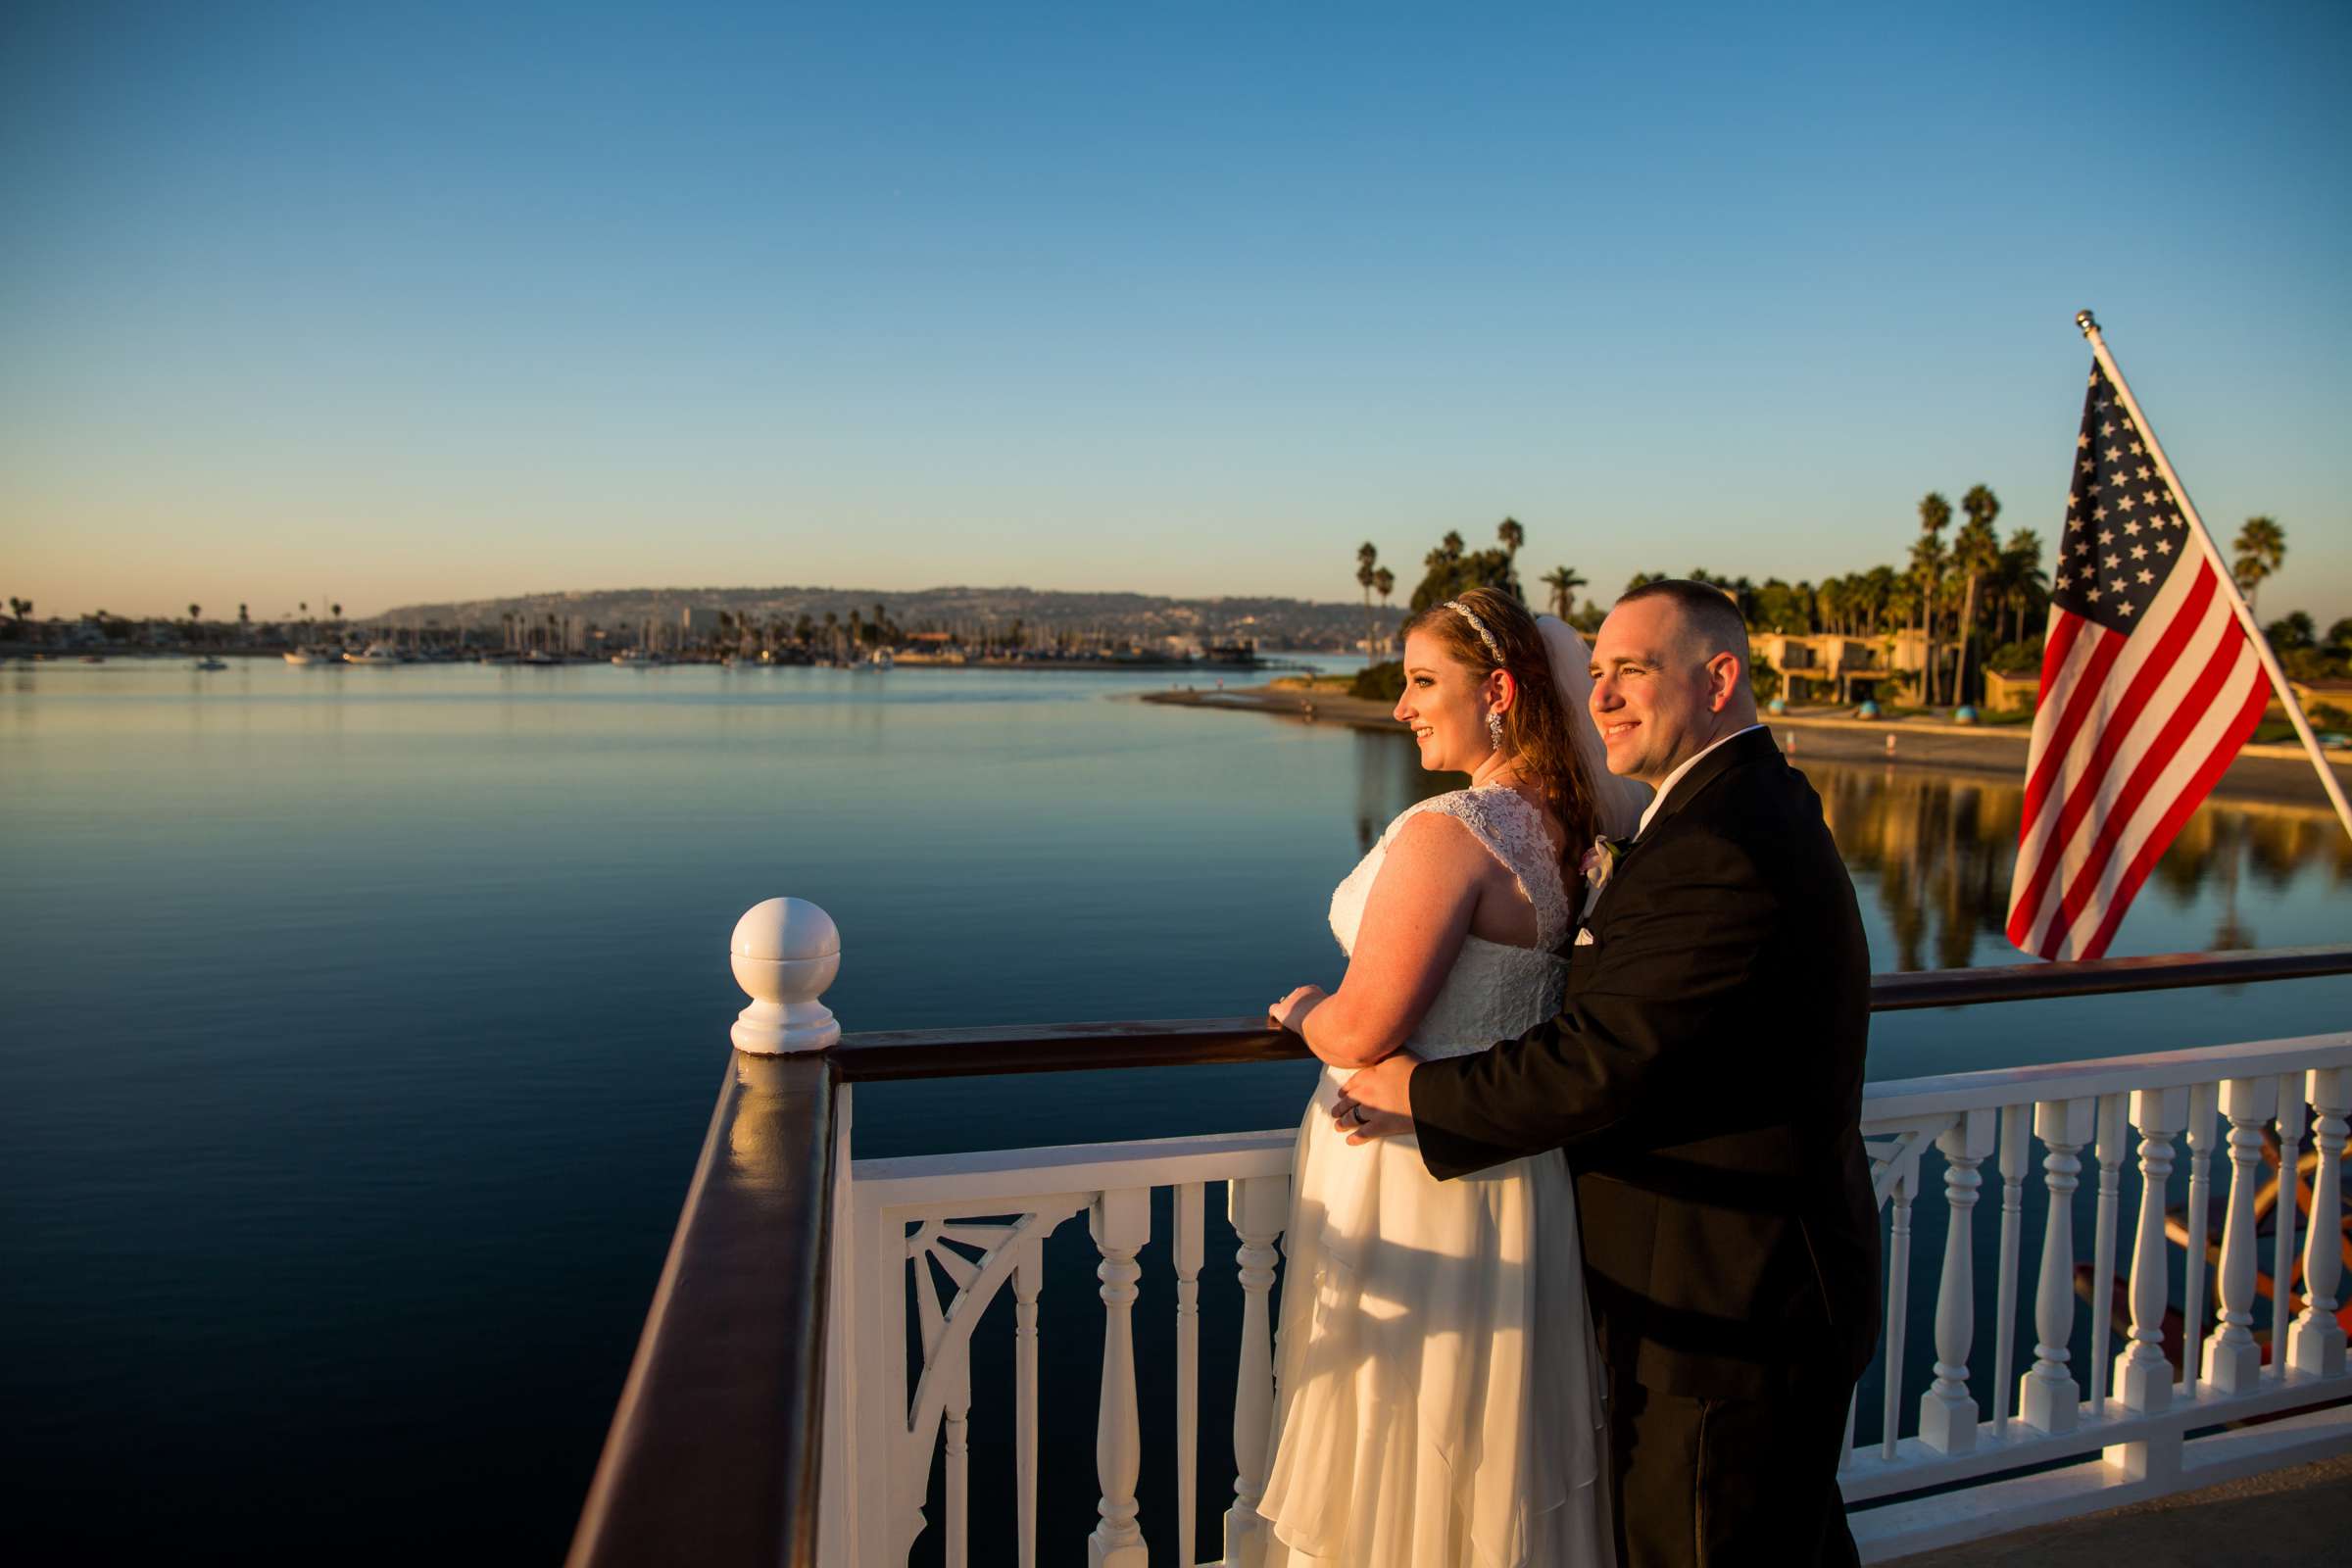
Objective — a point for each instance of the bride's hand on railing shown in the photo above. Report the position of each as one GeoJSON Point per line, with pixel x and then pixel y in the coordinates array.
{"type": "Point", "coordinates": [1291, 1010]}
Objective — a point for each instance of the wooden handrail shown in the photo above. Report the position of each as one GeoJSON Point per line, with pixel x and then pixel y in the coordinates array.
{"type": "Point", "coordinates": [1220, 1042]}
{"type": "Point", "coordinates": [2162, 971]}
{"type": "Point", "coordinates": [712, 1454]}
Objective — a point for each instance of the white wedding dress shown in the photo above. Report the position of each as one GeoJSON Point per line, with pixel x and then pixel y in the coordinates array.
{"type": "Point", "coordinates": [1437, 1401]}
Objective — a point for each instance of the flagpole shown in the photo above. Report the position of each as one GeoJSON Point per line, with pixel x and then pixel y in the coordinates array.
{"type": "Point", "coordinates": [2220, 570]}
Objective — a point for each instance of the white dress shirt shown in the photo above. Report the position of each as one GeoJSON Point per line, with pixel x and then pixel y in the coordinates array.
{"type": "Point", "coordinates": [1666, 787]}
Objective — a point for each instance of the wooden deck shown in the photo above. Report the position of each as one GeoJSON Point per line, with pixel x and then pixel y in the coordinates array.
{"type": "Point", "coordinates": [2302, 1514]}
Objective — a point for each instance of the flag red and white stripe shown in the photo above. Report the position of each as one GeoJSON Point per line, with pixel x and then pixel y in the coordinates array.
{"type": "Point", "coordinates": [2149, 687]}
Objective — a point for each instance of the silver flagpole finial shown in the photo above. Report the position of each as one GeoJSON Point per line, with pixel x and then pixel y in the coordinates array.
{"type": "Point", "coordinates": [2086, 322]}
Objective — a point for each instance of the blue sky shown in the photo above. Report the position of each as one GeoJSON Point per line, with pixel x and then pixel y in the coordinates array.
{"type": "Point", "coordinates": [391, 301]}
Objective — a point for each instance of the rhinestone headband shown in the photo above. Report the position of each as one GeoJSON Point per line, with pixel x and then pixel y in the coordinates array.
{"type": "Point", "coordinates": [1479, 627]}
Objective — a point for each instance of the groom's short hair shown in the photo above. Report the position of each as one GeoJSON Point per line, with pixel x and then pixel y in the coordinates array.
{"type": "Point", "coordinates": [1711, 614]}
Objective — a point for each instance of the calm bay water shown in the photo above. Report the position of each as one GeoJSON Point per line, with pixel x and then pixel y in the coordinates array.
{"type": "Point", "coordinates": [362, 1026]}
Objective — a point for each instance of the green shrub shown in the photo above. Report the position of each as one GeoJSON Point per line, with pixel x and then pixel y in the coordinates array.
{"type": "Point", "coordinates": [1380, 683]}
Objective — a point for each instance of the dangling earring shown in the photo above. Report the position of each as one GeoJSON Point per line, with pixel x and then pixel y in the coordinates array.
{"type": "Point", "coordinates": [1494, 726]}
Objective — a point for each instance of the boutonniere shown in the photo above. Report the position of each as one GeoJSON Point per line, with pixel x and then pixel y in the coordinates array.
{"type": "Point", "coordinates": [1600, 861]}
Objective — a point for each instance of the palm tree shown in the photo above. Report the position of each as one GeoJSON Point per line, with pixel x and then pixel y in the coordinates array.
{"type": "Point", "coordinates": [1833, 604]}
{"type": "Point", "coordinates": [1564, 582]}
{"type": "Point", "coordinates": [2260, 548]}
{"type": "Point", "coordinates": [1977, 552]}
{"type": "Point", "coordinates": [1384, 583]}
{"type": "Point", "coordinates": [1926, 566]}
{"type": "Point", "coordinates": [2023, 585]}
{"type": "Point", "coordinates": [1367, 576]}
{"type": "Point", "coordinates": [1512, 536]}
{"type": "Point", "coordinates": [1878, 589]}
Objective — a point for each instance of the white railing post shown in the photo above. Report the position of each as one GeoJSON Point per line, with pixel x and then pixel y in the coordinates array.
{"type": "Point", "coordinates": [1121, 1222]}
{"type": "Point", "coordinates": [1948, 1415]}
{"type": "Point", "coordinates": [1187, 1245]}
{"type": "Point", "coordinates": [784, 952]}
{"type": "Point", "coordinates": [2204, 1104]}
{"type": "Point", "coordinates": [1898, 1304]}
{"type": "Point", "coordinates": [1259, 1208]}
{"type": "Point", "coordinates": [2048, 1398]}
{"type": "Point", "coordinates": [2017, 1144]}
{"type": "Point", "coordinates": [2233, 1360]}
{"type": "Point", "coordinates": [2143, 1377]}
{"type": "Point", "coordinates": [2315, 1343]}
{"type": "Point", "coordinates": [958, 1446]}
{"type": "Point", "coordinates": [2110, 1152]}
{"type": "Point", "coordinates": [1028, 1278]}
{"type": "Point", "coordinates": [2283, 1214]}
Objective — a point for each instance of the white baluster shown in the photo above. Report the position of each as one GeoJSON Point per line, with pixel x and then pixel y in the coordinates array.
{"type": "Point", "coordinates": [2110, 1153]}
{"type": "Point", "coordinates": [1028, 1278]}
{"type": "Point", "coordinates": [2143, 1376]}
{"type": "Point", "coordinates": [1259, 1208]}
{"type": "Point", "coordinates": [2017, 1142]}
{"type": "Point", "coordinates": [2284, 1215]}
{"type": "Point", "coordinates": [958, 1412]}
{"type": "Point", "coordinates": [1121, 1222]}
{"type": "Point", "coordinates": [1898, 1304]}
{"type": "Point", "coordinates": [2315, 1343]}
{"type": "Point", "coordinates": [2233, 1360]}
{"type": "Point", "coordinates": [1187, 1245]}
{"type": "Point", "coordinates": [1947, 1416]}
{"type": "Point", "coordinates": [2046, 1397]}
{"type": "Point", "coordinates": [2204, 1104]}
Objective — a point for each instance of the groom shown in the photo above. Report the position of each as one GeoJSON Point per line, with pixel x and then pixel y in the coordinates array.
{"type": "Point", "coordinates": [1704, 1079]}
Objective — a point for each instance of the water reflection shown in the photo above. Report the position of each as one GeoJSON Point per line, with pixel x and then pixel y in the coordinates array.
{"type": "Point", "coordinates": [1931, 856]}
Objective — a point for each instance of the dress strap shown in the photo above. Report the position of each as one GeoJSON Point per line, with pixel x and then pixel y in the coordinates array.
{"type": "Point", "coordinates": [1512, 831]}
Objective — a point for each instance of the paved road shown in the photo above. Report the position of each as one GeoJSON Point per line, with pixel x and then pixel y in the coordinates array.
{"type": "Point", "coordinates": [2269, 773]}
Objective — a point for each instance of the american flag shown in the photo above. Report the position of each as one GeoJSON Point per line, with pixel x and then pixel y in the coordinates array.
{"type": "Point", "coordinates": [2149, 686]}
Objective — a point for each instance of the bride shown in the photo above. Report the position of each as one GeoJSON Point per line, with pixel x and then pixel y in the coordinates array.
{"type": "Point", "coordinates": [1437, 1401]}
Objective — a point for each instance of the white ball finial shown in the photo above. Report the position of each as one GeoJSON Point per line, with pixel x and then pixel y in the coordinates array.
{"type": "Point", "coordinates": [785, 952]}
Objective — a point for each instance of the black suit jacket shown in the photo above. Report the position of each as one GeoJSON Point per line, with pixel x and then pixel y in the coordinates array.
{"type": "Point", "coordinates": [1704, 1079]}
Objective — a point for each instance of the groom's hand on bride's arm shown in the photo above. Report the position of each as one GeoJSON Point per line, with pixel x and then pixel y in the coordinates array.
{"type": "Point", "coordinates": [1377, 1102]}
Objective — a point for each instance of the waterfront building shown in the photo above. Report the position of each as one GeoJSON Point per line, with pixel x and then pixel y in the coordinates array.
{"type": "Point", "coordinates": [1821, 668]}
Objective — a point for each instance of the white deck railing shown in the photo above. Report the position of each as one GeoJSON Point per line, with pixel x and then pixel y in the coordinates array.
{"type": "Point", "coordinates": [2071, 1421]}
{"type": "Point", "coordinates": [963, 1227]}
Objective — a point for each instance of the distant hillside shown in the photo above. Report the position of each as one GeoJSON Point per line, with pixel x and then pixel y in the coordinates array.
{"type": "Point", "coordinates": [1272, 623]}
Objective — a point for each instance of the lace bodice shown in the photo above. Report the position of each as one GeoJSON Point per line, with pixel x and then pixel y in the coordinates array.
{"type": "Point", "coordinates": [1495, 990]}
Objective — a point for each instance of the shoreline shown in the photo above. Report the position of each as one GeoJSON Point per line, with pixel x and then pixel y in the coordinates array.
{"type": "Point", "coordinates": [2278, 776]}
